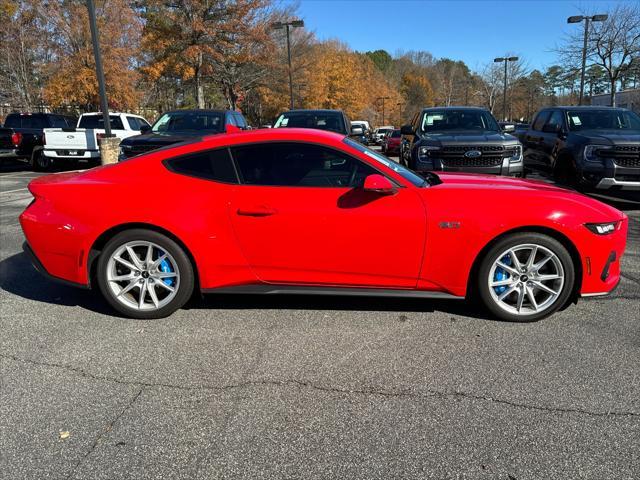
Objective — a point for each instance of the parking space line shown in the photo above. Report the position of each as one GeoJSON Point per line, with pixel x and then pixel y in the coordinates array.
{"type": "Point", "coordinates": [16, 190]}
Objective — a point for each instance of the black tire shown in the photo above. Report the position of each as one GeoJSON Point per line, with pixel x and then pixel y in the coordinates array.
{"type": "Point", "coordinates": [565, 172]}
{"type": "Point", "coordinates": [492, 255]}
{"type": "Point", "coordinates": [40, 163]}
{"type": "Point", "coordinates": [187, 277]}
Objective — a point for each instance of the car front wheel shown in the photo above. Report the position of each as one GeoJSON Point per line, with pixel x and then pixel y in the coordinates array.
{"type": "Point", "coordinates": [525, 277]}
{"type": "Point", "coordinates": [144, 274]}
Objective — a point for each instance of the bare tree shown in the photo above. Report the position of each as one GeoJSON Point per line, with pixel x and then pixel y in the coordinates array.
{"type": "Point", "coordinates": [612, 44]}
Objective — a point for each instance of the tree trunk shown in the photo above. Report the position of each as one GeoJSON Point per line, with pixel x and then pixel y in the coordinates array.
{"type": "Point", "coordinates": [613, 93]}
{"type": "Point", "coordinates": [199, 87]}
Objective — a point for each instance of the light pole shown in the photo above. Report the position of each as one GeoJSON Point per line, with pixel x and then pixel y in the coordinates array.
{"type": "Point", "coordinates": [383, 99]}
{"type": "Point", "coordinates": [578, 19]}
{"type": "Point", "coordinates": [504, 91]}
{"type": "Point", "coordinates": [287, 26]}
{"type": "Point", "coordinates": [99, 72]}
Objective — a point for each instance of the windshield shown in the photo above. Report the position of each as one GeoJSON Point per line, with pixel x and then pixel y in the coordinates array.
{"type": "Point", "coordinates": [189, 121]}
{"type": "Point", "coordinates": [437, 121]}
{"type": "Point", "coordinates": [384, 131]}
{"type": "Point", "coordinates": [603, 120]}
{"type": "Point", "coordinates": [396, 134]}
{"type": "Point", "coordinates": [405, 173]}
{"type": "Point", "coordinates": [331, 121]}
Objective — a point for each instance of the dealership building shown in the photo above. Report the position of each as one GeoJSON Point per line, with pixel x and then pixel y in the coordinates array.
{"type": "Point", "coordinates": [625, 99]}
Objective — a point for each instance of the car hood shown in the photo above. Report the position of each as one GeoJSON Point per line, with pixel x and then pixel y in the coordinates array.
{"type": "Point", "coordinates": [469, 137]}
{"type": "Point", "coordinates": [611, 137]}
{"type": "Point", "coordinates": [494, 189]}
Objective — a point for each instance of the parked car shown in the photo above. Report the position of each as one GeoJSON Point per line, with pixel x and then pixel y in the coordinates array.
{"type": "Point", "coordinates": [391, 143]}
{"type": "Point", "coordinates": [586, 147]}
{"type": "Point", "coordinates": [330, 120]}
{"type": "Point", "coordinates": [22, 136]}
{"type": "Point", "coordinates": [460, 139]}
{"type": "Point", "coordinates": [246, 216]}
{"type": "Point", "coordinates": [80, 144]}
{"type": "Point", "coordinates": [366, 130]}
{"type": "Point", "coordinates": [380, 132]}
{"type": "Point", "coordinates": [181, 126]}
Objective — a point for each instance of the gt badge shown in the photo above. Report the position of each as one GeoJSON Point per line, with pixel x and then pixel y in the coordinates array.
{"type": "Point", "coordinates": [449, 224]}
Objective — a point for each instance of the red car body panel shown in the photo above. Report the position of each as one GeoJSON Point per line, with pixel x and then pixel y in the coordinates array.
{"type": "Point", "coordinates": [418, 238]}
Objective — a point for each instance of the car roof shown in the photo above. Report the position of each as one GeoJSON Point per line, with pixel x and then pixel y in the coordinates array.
{"type": "Point", "coordinates": [583, 107]}
{"type": "Point", "coordinates": [312, 110]}
{"type": "Point", "coordinates": [453, 108]}
{"type": "Point", "coordinates": [201, 110]}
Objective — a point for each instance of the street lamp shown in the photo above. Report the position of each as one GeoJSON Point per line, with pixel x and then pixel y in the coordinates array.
{"type": "Point", "coordinates": [288, 25]}
{"type": "Point", "coordinates": [383, 99]}
{"type": "Point", "coordinates": [504, 92]}
{"type": "Point", "coordinates": [578, 19]}
{"type": "Point", "coordinates": [99, 72]}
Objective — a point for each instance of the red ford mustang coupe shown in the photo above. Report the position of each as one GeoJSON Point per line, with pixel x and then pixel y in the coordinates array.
{"type": "Point", "coordinates": [313, 212]}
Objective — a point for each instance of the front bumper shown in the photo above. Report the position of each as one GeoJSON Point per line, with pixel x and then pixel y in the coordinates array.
{"type": "Point", "coordinates": [506, 168]}
{"type": "Point", "coordinates": [609, 176]}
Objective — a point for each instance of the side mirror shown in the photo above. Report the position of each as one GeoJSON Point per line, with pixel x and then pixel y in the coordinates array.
{"type": "Point", "coordinates": [379, 184]}
{"type": "Point", "coordinates": [355, 130]}
{"type": "Point", "coordinates": [407, 130]}
{"type": "Point", "coordinates": [509, 128]}
{"type": "Point", "coordinates": [145, 129]}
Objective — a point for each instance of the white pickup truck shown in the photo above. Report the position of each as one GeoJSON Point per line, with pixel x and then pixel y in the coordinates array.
{"type": "Point", "coordinates": [80, 144]}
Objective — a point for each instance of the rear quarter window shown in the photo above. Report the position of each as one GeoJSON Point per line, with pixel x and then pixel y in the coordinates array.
{"type": "Point", "coordinates": [215, 165]}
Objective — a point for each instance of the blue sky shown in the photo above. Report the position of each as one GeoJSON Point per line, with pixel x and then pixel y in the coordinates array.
{"type": "Point", "coordinates": [475, 31]}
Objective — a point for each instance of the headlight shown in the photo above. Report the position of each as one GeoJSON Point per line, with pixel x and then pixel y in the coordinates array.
{"type": "Point", "coordinates": [425, 151]}
{"type": "Point", "coordinates": [590, 152]}
{"type": "Point", "coordinates": [517, 154]}
{"type": "Point", "coordinates": [603, 228]}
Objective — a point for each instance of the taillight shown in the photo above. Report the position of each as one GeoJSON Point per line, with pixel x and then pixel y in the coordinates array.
{"type": "Point", "coordinates": [16, 138]}
{"type": "Point", "coordinates": [100, 136]}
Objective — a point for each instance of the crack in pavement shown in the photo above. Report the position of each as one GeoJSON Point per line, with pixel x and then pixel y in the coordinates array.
{"type": "Point", "coordinates": [103, 432]}
{"type": "Point", "coordinates": [429, 393]}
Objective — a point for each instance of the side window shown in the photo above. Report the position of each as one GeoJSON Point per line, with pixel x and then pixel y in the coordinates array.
{"type": "Point", "coordinates": [240, 121]}
{"type": "Point", "coordinates": [298, 165]}
{"type": "Point", "coordinates": [555, 120]}
{"type": "Point", "coordinates": [209, 165]}
{"type": "Point", "coordinates": [133, 123]}
{"type": "Point", "coordinates": [540, 120]}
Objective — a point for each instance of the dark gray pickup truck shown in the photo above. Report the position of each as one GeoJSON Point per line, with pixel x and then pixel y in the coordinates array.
{"type": "Point", "coordinates": [586, 147]}
{"type": "Point", "coordinates": [460, 139]}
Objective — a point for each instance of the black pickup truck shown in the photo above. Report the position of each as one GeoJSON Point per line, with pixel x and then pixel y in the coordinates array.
{"type": "Point", "coordinates": [460, 139]}
{"type": "Point", "coordinates": [181, 126]}
{"type": "Point", "coordinates": [22, 136]}
{"type": "Point", "coordinates": [586, 147]}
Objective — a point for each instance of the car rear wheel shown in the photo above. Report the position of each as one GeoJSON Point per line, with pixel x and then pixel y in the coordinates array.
{"type": "Point", "coordinates": [144, 274]}
{"type": "Point", "coordinates": [525, 277]}
{"type": "Point", "coordinates": [40, 163]}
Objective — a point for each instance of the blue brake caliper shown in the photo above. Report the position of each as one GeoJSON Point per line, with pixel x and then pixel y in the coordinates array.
{"type": "Point", "coordinates": [501, 274]}
{"type": "Point", "coordinates": [165, 267]}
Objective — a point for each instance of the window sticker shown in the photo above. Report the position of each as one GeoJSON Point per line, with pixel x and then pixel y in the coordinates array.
{"type": "Point", "coordinates": [576, 120]}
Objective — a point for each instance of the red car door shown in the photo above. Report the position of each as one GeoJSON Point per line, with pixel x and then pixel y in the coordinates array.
{"type": "Point", "coordinates": [300, 217]}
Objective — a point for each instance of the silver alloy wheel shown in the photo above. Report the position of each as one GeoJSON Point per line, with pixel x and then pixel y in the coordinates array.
{"type": "Point", "coordinates": [142, 275]}
{"type": "Point", "coordinates": [526, 279]}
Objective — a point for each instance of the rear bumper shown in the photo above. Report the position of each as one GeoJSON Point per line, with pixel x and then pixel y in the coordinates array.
{"type": "Point", "coordinates": [37, 264]}
{"type": "Point", "coordinates": [9, 153]}
{"type": "Point", "coordinates": [64, 154]}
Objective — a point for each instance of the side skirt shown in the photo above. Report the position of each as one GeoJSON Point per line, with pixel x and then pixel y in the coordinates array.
{"type": "Point", "coordinates": [264, 289]}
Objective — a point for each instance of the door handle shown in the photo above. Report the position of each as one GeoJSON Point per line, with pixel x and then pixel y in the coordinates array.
{"type": "Point", "coordinates": [261, 211]}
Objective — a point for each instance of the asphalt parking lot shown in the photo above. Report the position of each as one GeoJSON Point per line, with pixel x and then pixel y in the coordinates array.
{"type": "Point", "coordinates": [301, 387]}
